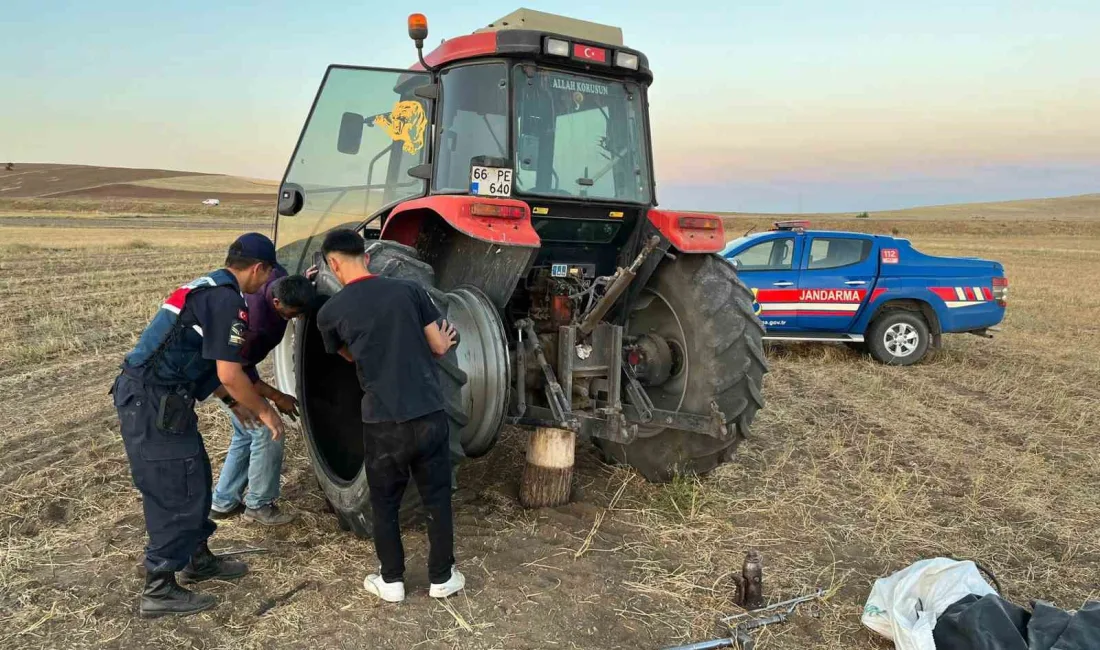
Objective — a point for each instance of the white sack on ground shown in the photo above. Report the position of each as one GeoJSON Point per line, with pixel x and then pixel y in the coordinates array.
{"type": "Point", "coordinates": [903, 607]}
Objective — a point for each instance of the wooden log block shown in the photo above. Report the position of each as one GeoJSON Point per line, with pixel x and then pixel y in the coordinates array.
{"type": "Point", "coordinates": [548, 473]}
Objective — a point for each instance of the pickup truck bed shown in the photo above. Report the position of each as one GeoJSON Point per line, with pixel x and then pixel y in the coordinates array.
{"type": "Point", "coordinates": [873, 290]}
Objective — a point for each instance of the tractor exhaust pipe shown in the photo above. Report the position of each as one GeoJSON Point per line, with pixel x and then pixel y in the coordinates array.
{"type": "Point", "coordinates": [619, 284]}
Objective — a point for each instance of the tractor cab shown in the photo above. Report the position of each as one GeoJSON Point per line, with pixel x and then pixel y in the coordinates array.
{"type": "Point", "coordinates": [543, 109]}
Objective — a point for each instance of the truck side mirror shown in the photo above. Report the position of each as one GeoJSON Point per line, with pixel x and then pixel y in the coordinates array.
{"type": "Point", "coordinates": [351, 133]}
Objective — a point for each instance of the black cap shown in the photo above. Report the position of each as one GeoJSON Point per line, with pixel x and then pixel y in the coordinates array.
{"type": "Point", "coordinates": [256, 246]}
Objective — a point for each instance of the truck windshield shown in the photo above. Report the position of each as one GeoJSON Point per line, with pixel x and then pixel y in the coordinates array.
{"type": "Point", "coordinates": [579, 136]}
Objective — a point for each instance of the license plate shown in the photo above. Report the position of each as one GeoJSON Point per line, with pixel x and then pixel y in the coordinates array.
{"type": "Point", "coordinates": [490, 181]}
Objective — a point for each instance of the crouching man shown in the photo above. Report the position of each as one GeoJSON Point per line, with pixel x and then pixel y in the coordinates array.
{"type": "Point", "coordinates": [191, 345]}
{"type": "Point", "coordinates": [255, 457]}
{"type": "Point", "coordinates": [387, 328]}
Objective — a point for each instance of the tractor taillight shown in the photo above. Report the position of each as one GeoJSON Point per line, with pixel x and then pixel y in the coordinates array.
{"type": "Point", "coordinates": [699, 223]}
{"type": "Point", "coordinates": [496, 210]}
{"type": "Point", "coordinates": [626, 60]}
{"type": "Point", "coordinates": [688, 232]}
{"type": "Point", "coordinates": [1000, 291]}
{"type": "Point", "coordinates": [557, 47]}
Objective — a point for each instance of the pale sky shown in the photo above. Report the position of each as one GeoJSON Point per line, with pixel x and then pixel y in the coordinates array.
{"type": "Point", "coordinates": [756, 106]}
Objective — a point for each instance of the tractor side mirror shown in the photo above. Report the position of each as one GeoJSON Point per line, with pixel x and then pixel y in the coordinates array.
{"type": "Point", "coordinates": [351, 133]}
{"type": "Point", "coordinates": [291, 200]}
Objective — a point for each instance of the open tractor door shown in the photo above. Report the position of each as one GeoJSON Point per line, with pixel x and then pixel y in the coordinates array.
{"type": "Point", "coordinates": [510, 173]}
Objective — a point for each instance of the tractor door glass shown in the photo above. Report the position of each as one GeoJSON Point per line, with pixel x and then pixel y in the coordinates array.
{"type": "Point", "coordinates": [366, 130]}
{"type": "Point", "coordinates": [473, 122]}
{"type": "Point", "coordinates": [579, 136]}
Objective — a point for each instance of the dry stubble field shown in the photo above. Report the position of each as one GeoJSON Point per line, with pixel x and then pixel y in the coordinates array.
{"type": "Point", "coordinates": [989, 451]}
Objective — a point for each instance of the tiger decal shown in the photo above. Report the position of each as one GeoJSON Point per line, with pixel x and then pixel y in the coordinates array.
{"type": "Point", "coordinates": [406, 123]}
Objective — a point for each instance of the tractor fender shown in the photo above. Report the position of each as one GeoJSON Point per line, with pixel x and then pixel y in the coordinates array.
{"type": "Point", "coordinates": [406, 220]}
{"type": "Point", "coordinates": [690, 232]}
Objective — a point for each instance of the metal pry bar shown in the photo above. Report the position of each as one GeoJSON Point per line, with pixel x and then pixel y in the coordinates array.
{"type": "Point", "coordinates": [739, 633]}
{"type": "Point", "coordinates": [789, 604]}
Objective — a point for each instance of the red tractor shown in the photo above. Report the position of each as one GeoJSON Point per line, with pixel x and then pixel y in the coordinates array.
{"type": "Point", "coordinates": [511, 173]}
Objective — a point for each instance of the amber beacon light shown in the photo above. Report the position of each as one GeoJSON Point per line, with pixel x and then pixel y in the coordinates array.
{"type": "Point", "coordinates": [418, 28]}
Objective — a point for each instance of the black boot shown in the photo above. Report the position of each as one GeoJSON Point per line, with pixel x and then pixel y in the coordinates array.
{"type": "Point", "coordinates": [204, 565]}
{"type": "Point", "coordinates": [163, 597]}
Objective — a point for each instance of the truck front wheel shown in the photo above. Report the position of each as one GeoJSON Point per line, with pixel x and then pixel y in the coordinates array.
{"type": "Point", "coordinates": [898, 337]}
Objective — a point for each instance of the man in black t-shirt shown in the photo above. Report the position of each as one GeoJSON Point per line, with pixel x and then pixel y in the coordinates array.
{"type": "Point", "coordinates": [388, 328]}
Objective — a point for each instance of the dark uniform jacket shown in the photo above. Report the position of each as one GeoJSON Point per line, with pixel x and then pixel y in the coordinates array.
{"type": "Point", "coordinates": [201, 322]}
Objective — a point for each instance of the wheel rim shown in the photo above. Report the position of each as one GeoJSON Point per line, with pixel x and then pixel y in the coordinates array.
{"type": "Point", "coordinates": [482, 354]}
{"type": "Point", "coordinates": [655, 315]}
{"type": "Point", "coordinates": [901, 339]}
{"type": "Point", "coordinates": [285, 375]}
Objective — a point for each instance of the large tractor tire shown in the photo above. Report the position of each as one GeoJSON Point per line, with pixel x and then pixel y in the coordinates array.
{"type": "Point", "coordinates": [699, 306]}
{"type": "Point", "coordinates": [476, 375]}
{"type": "Point", "coordinates": [474, 378]}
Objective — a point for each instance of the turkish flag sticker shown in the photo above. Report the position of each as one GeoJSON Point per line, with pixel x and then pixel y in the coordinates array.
{"type": "Point", "coordinates": [589, 53]}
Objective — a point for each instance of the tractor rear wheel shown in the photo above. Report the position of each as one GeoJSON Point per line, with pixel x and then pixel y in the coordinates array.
{"type": "Point", "coordinates": [704, 312]}
{"type": "Point", "coordinates": [474, 377]}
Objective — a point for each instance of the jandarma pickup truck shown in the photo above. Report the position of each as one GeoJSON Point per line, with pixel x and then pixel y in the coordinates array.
{"type": "Point", "coordinates": [874, 292]}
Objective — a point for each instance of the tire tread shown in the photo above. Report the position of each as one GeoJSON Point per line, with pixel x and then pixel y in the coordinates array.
{"type": "Point", "coordinates": [735, 364]}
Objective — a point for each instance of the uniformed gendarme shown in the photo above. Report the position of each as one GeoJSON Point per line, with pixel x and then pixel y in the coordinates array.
{"type": "Point", "coordinates": [191, 346]}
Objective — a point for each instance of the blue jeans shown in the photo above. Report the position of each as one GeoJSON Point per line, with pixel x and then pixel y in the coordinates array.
{"type": "Point", "coordinates": [253, 459]}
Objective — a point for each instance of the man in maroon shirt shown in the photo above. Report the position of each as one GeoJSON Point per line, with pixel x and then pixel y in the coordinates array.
{"type": "Point", "coordinates": [254, 458]}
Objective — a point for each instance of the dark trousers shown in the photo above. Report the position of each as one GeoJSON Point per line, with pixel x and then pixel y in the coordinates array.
{"type": "Point", "coordinates": [393, 451]}
{"type": "Point", "coordinates": [171, 470]}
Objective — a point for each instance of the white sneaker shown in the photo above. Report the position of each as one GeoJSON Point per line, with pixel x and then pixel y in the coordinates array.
{"type": "Point", "coordinates": [391, 592]}
{"type": "Point", "coordinates": [452, 586]}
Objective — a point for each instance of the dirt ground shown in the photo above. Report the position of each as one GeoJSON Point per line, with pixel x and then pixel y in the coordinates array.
{"type": "Point", "coordinates": [989, 451]}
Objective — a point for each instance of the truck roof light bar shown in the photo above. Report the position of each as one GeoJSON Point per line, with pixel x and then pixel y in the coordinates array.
{"type": "Point", "coordinates": [798, 225]}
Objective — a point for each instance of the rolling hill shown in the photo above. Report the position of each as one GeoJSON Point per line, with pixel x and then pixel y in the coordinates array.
{"type": "Point", "coordinates": [48, 181]}
{"type": "Point", "coordinates": [88, 184]}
